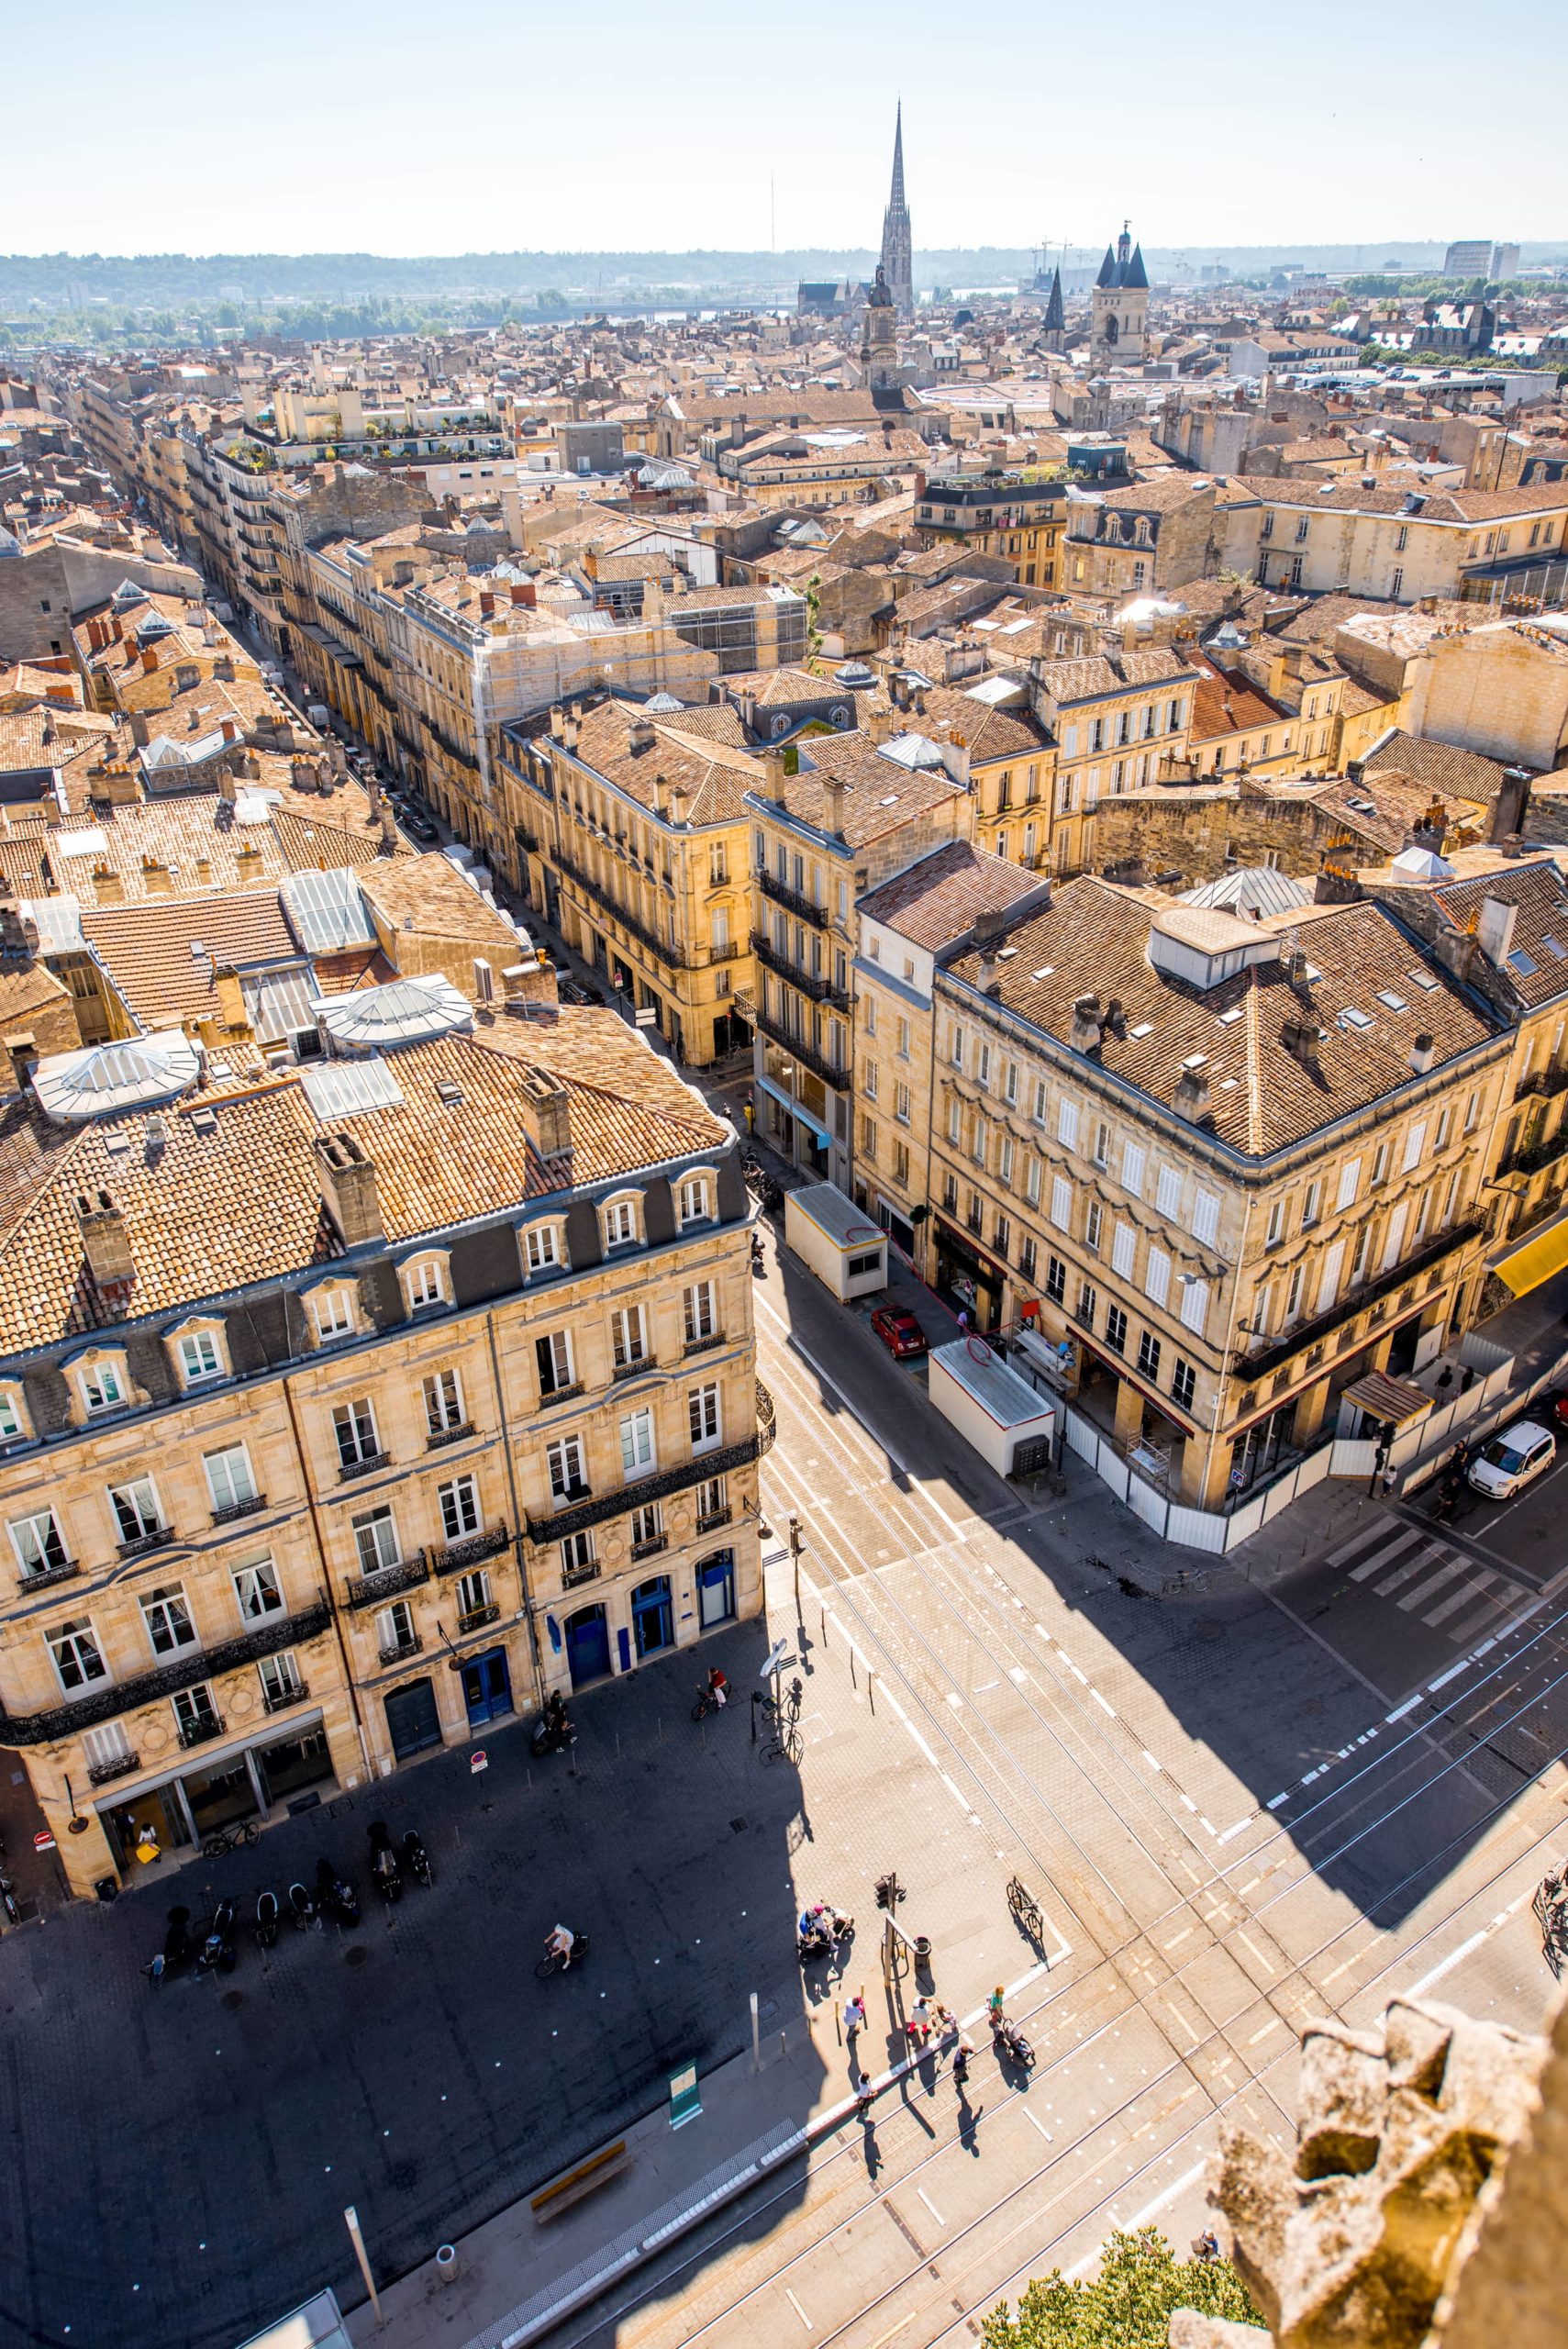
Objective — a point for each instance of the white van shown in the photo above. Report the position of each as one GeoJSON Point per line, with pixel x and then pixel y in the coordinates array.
{"type": "Point", "coordinates": [1513, 1460]}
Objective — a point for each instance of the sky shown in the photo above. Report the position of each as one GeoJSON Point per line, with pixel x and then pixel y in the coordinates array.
{"type": "Point", "coordinates": [311, 126]}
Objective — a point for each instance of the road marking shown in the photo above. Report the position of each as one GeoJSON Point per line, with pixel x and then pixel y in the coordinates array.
{"type": "Point", "coordinates": [930, 2206]}
{"type": "Point", "coordinates": [1273, 2023]}
{"type": "Point", "coordinates": [1153, 1765]}
{"type": "Point", "coordinates": [798, 2309]}
{"type": "Point", "coordinates": [1035, 2123]}
{"type": "Point", "coordinates": [1248, 1943]}
{"type": "Point", "coordinates": [1101, 1702]}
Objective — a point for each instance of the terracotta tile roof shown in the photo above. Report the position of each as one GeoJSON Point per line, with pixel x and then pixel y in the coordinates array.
{"type": "Point", "coordinates": [1260, 1097]}
{"type": "Point", "coordinates": [1439, 766]}
{"type": "Point", "coordinates": [715, 775]}
{"type": "Point", "coordinates": [935, 902]}
{"type": "Point", "coordinates": [879, 794]}
{"type": "Point", "coordinates": [148, 949]}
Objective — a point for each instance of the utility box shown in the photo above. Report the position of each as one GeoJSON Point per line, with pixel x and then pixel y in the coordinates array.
{"type": "Point", "coordinates": [843, 1247]}
{"type": "Point", "coordinates": [997, 1412]}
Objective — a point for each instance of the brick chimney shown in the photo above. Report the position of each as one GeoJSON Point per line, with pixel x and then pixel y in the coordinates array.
{"type": "Point", "coordinates": [1086, 1035]}
{"type": "Point", "coordinates": [103, 1240]}
{"type": "Point", "coordinates": [833, 806]}
{"type": "Point", "coordinates": [348, 1179]}
{"type": "Point", "coordinates": [1190, 1099]}
{"type": "Point", "coordinates": [1422, 1052]}
{"type": "Point", "coordinates": [547, 1113]}
{"type": "Point", "coordinates": [141, 732]}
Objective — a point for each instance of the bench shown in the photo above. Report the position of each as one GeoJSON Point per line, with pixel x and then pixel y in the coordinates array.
{"type": "Point", "coordinates": [572, 2184]}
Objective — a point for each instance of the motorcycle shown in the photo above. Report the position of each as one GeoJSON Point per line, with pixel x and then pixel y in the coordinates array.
{"type": "Point", "coordinates": [1009, 2040]}
{"type": "Point", "coordinates": [416, 1859]}
{"type": "Point", "coordinates": [822, 1936]}
{"type": "Point", "coordinates": [266, 1919]}
{"type": "Point", "coordinates": [302, 1908]}
{"type": "Point", "coordinates": [177, 1952]}
{"type": "Point", "coordinates": [384, 1871]}
{"type": "Point", "coordinates": [335, 1896]}
{"type": "Point", "coordinates": [220, 1951]}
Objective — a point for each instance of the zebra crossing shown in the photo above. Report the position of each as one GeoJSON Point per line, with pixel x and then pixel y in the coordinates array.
{"type": "Point", "coordinates": [1425, 1577]}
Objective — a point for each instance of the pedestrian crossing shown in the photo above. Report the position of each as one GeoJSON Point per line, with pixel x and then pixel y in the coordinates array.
{"type": "Point", "coordinates": [1424, 1578]}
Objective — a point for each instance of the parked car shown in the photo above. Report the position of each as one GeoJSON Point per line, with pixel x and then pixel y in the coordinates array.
{"type": "Point", "coordinates": [899, 1332]}
{"type": "Point", "coordinates": [420, 825]}
{"type": "Point", "coordinates": [1558, 1407]}
{"type": "Point", "coordinates": [1513, 1460]}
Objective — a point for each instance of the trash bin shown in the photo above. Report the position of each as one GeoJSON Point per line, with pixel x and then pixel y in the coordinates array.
{"type": "Point", "coordinates": [446, 2262]}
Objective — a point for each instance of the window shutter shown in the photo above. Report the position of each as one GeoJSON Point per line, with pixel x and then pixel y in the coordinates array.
{"type": "Point", "coordinates": [1194, 1306]}
{"type": "Point", "coordinates": [1061, 1203]}
{"type": "Point", "coordinates": [1157, 1277]}
{"type": "Point", "coordinates": [1123, 1248]}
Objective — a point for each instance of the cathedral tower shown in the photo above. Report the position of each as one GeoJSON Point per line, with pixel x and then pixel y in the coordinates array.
{"type": "Point", "coordinates": [1120, 331]}
{"type": "Point", "coordinates": [898, 244]}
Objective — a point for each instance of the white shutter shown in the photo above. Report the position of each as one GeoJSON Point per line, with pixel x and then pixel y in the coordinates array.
{"type": "Point", "coordinates": [1031, 1183]}
{"type": "Point", "coordinates": [1157, 1277]}
{"type": "Point", "coordinates": [1194, 1306]}
{"type": "Point", "coordinates": [1067, 1123]}
{"type": "Point", "coordinates": [1205, 1218]}
{"type": "Point", "coordinates": [1169, 1196]}
{"type": "Point", "coordinates": [1061, 1204]}
{"type": "Point", "coordinates": [1132, 1160]}
{"type": "Point", "coordinates": [1394, 1239]}
{"type": "Point", "coordinates": [1123, 1248]}
{"type": "Point", "coordinates": [1349, 1182]}
{"type": "Point", "coordinates": [1414, 1143]}
{"type": "Point", "coordinates": [1329, 1286]}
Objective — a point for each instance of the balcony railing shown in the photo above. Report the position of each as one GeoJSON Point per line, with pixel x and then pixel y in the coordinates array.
{"type": "Point", "coordinates": [1534, 1155]}
{"type": "Point", "coordinates": [547, 1402]}
{"type": "Point", "coordinates": [477, 1616]}
{"type": "Point", "coordinates": [632, 1369]}
{"type": "Point", "coordinates": [400, 1649]}
{"type": "Point", "coordinates": [156, 1538]}
{"type": "Point", "coordinates": [349, 1469]}
{"type": "Point", "coordinates": [792, 901]}
{"type": "Point", "coordinates": [439, 1437]}
{"type": "Point", "coordinates": [704, 1345]}
{"type": "Point", "coordinates": [232, 1510]}
{"type": "Point", "coordinates": [146, 1687]}
{"type": "Point", "coordinates": [1543, 1083]}
{"type": "Point", "coordinates": [810, 983]}
{"type": "Point", "coordinates": [200, 1730]}
{"type": "Point", "coordinates": [714, 1518]}
{"type": "Point", "coordinates": [651, 1547]}
{"type": "Point", "coordinates": [386, 1582]}
{"type": "Point", "coordinates": [102, 1774]}
{"type": "Point", "coordinates": [279, 1699]}
{"type": "Point", "coordinates": [1350, 1306]}
{"type": "Point", "coordinates": [645, 1490]}
{"type": "Point", "coordinates": [829, 1071]}
{"type": "Point", "coordinates": [573, 1576]}
{"type": "Point", "coordinates": [458, 1556]}
{"type": "Point", "coordinates": [46, 1577]}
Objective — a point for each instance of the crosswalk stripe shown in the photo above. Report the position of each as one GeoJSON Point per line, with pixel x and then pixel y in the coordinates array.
{"type": "Point", "coordinates": [1429, 1555]}
{"type": "Point", "coordinates": [1466, 1591]}
{"type": "Point", "coordinates": [1487, 1613]}
{"type": "Point", "coordinates": [1413, 1598]}
{"type": "Point", "coordinates": [1358, 1543]}
{"type": "Point", "coordinates": [1391, 1549]}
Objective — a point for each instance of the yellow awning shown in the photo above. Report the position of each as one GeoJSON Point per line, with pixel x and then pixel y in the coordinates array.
{"type": "Point", "coordinates": [1536, 1256]}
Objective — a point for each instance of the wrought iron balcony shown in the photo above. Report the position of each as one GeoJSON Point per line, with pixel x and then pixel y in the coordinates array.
{"type": "Point", "coordinates": [651, 1547]}
{"type": "Point", "coordinates": [704, 1345]}
{"type": "Point", "coordinates": [1350, 1307]}
{"type": "Point", "coordinates": [200, 1730]}
{"type": "Point", "coordinates": [281, 1699]}
{"type": "Point", "coordinates": [386, 1582]}
{"type": "Point", "coordinates": [573, 1576]}
{"type": "Point", "coordinates": [810, 983]}
{"type": "Point", "coordinates": [400, 1649]}
{"type": "Point", "coordinates": [577, 1519]}
{"type": "Point", "coordinates": [560, 1395]}
{"type": "Point", "coordinates": [792, 901]}
{"type": "Point", "coordinates": [439, 1437]}
{"type": "Point", "coordinates": [477, 1616]}
{"type": "Point", "coordinates": [202, 1664]}
{"type": "Point", "coordinates": [1543, 1083]}
{"type": "Point", "coordinates": [235, 1509]}
{"type": "Point", "coordinates": [714, 1518]}
{"type": "Point", "coordinates": [349, 1469]}
{"type": "Point", "coordinates": [458, 1556]}
{"type": "Point", "coordinates": [799, 1051]}
{"type": "Point", "coordinates": [156, 1538]}
{"type": "Point", "coordinates": [103, 1773]}
{"type": "Point", "coordinates": [46, 1577]}
{"type": "Point", "coordinates": [635, 1369]}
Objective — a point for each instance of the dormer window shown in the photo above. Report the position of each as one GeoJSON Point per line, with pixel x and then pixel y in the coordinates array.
{"type": "Point", "coordinates": [695, 1200]}
{"type": "Point", "coordinates": [199, 1352]}
{"type": "Point", "coordinates": [543, 1248]}
{"type": "Point", "coordinates": [102, 1384]}
{"type": "Point", "coordinates": [332, 1313]}
{"type": "Point", "coordinates": [425, 1283]}
{"type": "Point", "coordinates": [14, 1420]}
{"type": "Point", "coordinates": [620, 1222]}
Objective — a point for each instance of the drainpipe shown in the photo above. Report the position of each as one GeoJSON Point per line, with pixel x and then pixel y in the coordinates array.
{"type": "Point", "coordinates": [327, 1581]}
{"type": "Point", "coordinates": [1230, 1339]}
{"type": "Point", "coordinates": [519, 1537]}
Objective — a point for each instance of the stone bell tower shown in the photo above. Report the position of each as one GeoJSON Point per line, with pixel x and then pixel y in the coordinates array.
{"type": "Point", "coordinates": [1120, 306]}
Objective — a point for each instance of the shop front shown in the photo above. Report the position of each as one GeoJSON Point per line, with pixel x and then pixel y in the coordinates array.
{"type": "Point", "coordinates": [207, 1792]}
{"type": "Point", "coordinates": [971, 1282]}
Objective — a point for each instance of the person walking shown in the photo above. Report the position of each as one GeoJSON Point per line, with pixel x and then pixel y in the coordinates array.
{"type": "Point", "coordinates": [854, 2020]}
{"type": "Point", "coordinates": [960, 2056]}
{"type": "Point", "coordinates": [996, 2002]}
{"type": "Point", "coordinates": [750, 1115]}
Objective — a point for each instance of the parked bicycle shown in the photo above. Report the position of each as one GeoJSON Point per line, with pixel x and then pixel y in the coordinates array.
{"type": "Point", "coordinates": [1026, 1909]}
{"type": "Point", "coordinates": [231, 1838]}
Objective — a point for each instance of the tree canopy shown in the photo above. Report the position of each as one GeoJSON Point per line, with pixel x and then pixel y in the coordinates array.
{"type": "Point", "coordinates": [1127, 2305]}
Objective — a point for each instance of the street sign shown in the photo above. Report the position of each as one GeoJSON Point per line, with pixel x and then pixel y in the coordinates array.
{"type": "Point", "coordinates": [685, 2098]}
{"type": "Point", "coordinates": [44, 1841]}
{"type": "Point", "coordinates": [648, 1019]}
{"type": "Point", "coordinates": [477, 1761]}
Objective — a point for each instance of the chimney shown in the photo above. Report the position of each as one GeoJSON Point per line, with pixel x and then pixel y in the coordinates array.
{"type": "Point", "coordinates": [150, 660]}
{"type": "Point", "coordinates": [486, 604]}
{"type": "Point", "coordinates": [775, 780]}
{"type": "Point", "coordinates": [1422, 1052]}
{"type": "Point", "coordinates": [661, 798]}
{"type": "Point", "coordinates": [569, 732]}
{"type": "Point", "coordinates": [557, 722]}
{"type": "Point", "coordinates": [1509, 808]}
{"type": "Point", "coordinates": [1299, 1038]}
{"type": "Point", "coordinates": [547, 1113]}
{"type": "Point", "coordinates": [1494, 929]}
{"type": "Point", "coordinates": [640, 737]}
{"type": "Point", "coordinates": [833, 806]}
{"type": "Point", "coordinates": [348, 1179]}
{"type": "Point", "coordinates": [1190, 1099]}
{"type": "Point", "coordinates": [22, 1051]}
{"type": "Point", "coordinates": [141, 732]}
{"type": "Point", "coordinates": [1086, 1035]}
{"type": "Point", "coordinates": [104, 1238]}
{"type": "Point", "coordinates": [986, 930]}
{"type": "Point", "coordinates": [879, 725]}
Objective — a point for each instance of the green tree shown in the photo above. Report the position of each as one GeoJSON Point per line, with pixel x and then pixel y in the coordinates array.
{"type": "Point", "coordinates": [1129, 2305]}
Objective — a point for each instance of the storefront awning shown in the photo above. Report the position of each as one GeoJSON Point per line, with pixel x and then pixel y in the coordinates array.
{"type": "Point", "coordinates": [813, 1125]}
{"type": "Point", "coordinates": [1528, 1262]}
{"type": "Point", "coordinates": [1393, 1400]}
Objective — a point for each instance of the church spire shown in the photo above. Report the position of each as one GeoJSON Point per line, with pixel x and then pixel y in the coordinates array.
{"type": "Point", "coordinates": [897, 242]}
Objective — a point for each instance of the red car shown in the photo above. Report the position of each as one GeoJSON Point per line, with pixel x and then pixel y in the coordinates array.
{"type": "Point", "coordinates": [899, 1332]}
{"type": "Point", "coordinates": [1558, 1407]}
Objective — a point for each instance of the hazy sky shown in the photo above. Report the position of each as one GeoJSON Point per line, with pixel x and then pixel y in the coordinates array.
{"type": "Point", "coordinates": [393, 127]}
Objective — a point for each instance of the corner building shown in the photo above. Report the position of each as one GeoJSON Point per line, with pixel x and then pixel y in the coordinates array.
{"type": "Point", "coordinates": [348, 1409]}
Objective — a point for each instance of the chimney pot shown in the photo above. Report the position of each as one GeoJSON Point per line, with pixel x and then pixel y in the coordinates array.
{"type": "Point", "coordinates": [547, 1113]}
{"type": "Point", "coordinates": [348, 1178]}
{"type": "Point", "coordinates": [103, 1240]}
{"type": "Point", "coordinates": [1422, 1052]}
{"type": "Point", "coordinates": [1086, 1033]}
{"type": "Point", "coordinates": [1190, 1099]}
